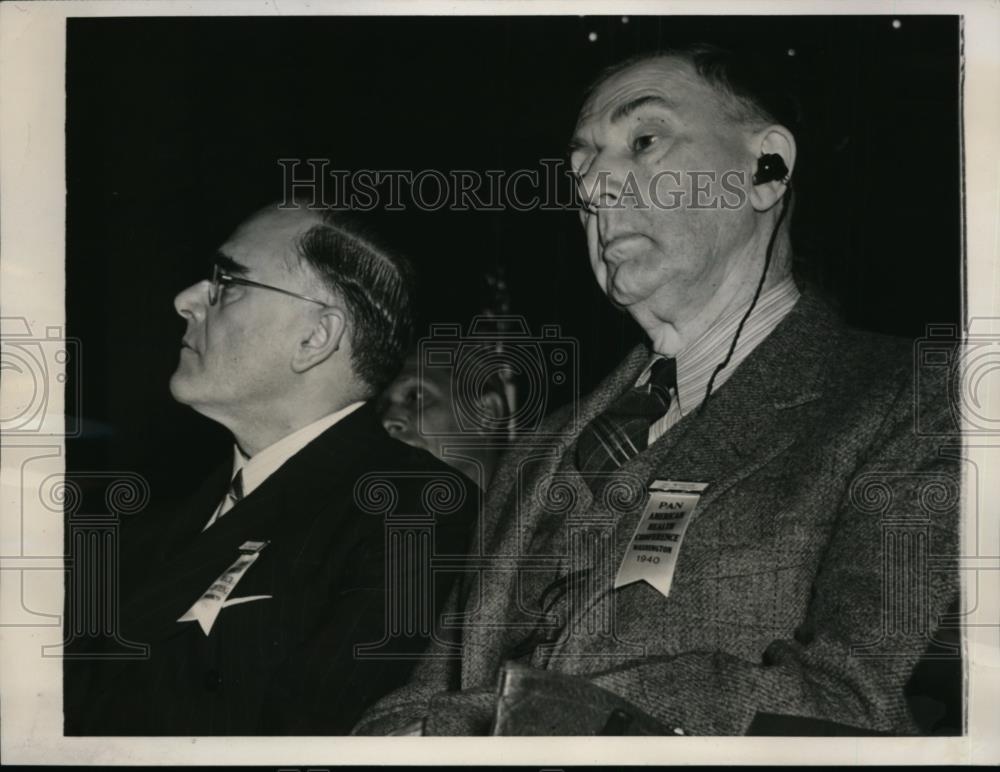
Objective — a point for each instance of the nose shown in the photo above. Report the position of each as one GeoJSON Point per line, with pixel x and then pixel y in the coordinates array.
{"type": "Point", "coordinates": [600, 184]}
{"type": "Point", "coordinates": [190, 303]}
{"type": "Point", "coordinates": [396, 422]}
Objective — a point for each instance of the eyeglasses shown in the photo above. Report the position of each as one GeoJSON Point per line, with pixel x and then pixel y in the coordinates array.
{"type": "Point", "coordinates": [221, 279]}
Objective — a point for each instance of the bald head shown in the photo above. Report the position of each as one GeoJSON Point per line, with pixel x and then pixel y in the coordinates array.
{"type": "Point", "coordinates": [274, 231]}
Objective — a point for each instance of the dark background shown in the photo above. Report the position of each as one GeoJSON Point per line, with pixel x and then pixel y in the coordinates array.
{"type": "Point", "coordinates": [174, 128]}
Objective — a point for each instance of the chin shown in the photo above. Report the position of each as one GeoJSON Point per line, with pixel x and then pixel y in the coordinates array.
{"type": "Point", "coordinates": [180, 388]}
{"type": "Point", "coordinates": [624, 296]}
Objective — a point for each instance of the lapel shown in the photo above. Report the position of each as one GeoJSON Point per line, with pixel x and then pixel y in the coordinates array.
{"type": "Point", "coordinates": [555, 457]}
{"type": "Point", "coordinates": [513, 526]}
{"type": "Point", "coordinates": [282, 510]}
{"type": "Point", "coordinates": [749, 420]}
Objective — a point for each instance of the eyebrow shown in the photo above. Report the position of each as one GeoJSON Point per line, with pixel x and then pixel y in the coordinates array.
{"type": "Point", "coordinates": [228, 264]}
{"type": "Point", "coordinates": [625, 110]}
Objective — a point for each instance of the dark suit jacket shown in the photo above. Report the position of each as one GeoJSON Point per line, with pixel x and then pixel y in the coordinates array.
{"type": "Point", "coordinates": [287, 664]}
{"type": "Point", "coordinates": [809, 581]}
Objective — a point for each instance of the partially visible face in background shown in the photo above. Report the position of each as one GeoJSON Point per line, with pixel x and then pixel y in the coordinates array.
{"type": "Point", "coordinates": [416, 408]}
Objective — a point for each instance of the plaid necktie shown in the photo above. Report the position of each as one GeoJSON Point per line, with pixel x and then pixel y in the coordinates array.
{"type": "Point", "coordinates": [612, 438]}
{"type": "Point", "coordinates": [622, 431]}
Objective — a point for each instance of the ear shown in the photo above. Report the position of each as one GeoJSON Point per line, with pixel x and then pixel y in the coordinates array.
{"type": "Point", "coordinates": [491, 405]}
{"type": "Point", "coordinates": [321, 340]}
{"type": "Point", "coordinates": [773, 139]}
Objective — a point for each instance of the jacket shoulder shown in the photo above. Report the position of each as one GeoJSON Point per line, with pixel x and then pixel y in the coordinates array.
{"type": "Point", "coordinates": [868, 369]}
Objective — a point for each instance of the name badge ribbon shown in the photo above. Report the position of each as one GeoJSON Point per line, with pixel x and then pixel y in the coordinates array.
{"type": "Point", "coordinates": [651, 555]}
{"type": "Point", "coordinates": [207, 607]}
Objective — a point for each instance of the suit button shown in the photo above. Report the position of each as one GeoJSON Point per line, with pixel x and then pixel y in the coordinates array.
{"type": "Point", "coordinates": [213, 680]}
{"type": "Point", "coordinates": [804, 635]}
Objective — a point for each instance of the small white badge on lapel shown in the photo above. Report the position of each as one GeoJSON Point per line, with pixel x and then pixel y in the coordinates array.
{"type": "Point", "coordinates": [207, 607]}
{"type": "Point", "coordinates": [651, 555]}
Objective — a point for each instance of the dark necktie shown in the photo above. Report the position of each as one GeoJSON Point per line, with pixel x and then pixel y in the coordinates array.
{"type": "Point", "coordinates": [235, 493]}
{"type": "Point", "coordinates": [622, 431]}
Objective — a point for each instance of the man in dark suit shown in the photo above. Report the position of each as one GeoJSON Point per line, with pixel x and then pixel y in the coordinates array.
{"type": "Point", "coordinates": [734, 532]}
{"type": "Point", "coordinates": [278, 600]}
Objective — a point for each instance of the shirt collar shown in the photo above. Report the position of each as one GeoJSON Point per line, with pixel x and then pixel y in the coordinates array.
{"type": "Point", "coordinates": [262, 465]}
{"type": "Point", "coordinates": [697, 362]}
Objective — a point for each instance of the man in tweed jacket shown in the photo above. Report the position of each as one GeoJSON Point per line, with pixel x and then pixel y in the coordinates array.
{"type": "Point", "coordinates": [803, 585]}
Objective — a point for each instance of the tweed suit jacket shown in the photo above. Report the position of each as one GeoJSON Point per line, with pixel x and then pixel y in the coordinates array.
{"type": "Point", "coordinates": [286, 663]}
{"type": "Point", "coordinates": [788, 592]}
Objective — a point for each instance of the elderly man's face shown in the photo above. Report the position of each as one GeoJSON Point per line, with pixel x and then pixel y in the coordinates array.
{"type": "Point", "coordinates": [647, 129]}
{"type": "Point", "coordinates": [236, 355]}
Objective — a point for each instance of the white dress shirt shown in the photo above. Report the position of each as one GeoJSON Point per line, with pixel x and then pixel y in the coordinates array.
{"type": "Point", "coordinates": [697, 362]}
{"type": "Point", "coordinates": [262, 465]}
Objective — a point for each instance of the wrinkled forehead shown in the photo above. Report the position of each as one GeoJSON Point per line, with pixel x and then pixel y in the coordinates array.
{"type": "Point", "coordinates": [668, 78]}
